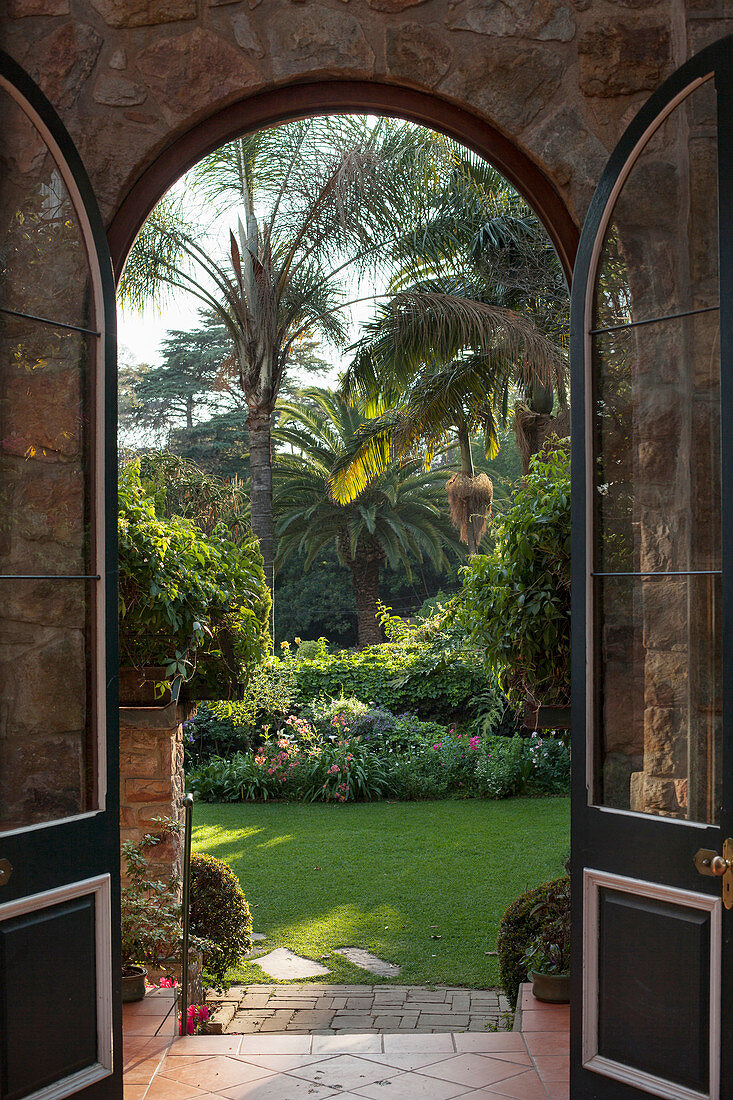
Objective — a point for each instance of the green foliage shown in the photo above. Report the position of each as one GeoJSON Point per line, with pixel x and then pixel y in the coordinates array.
{"type": "Point", "coordinates": [419, 673]}
{"type": "Point", "coordinates": [549, 951]}
{"type": "Point", "coordinates": [520, 927]}
{"type": "Point", "coordinates": [515, 601]}
{"type": "Point", "coordinates": [193, 602]}
{"type": "Point", "coordinates": [344, 772]}
{"type": "Point", "coordinates": [381, 730]}
{"type": "Point", "coordinates": [517, 765]}
{"type": "Point", "coordinates": [220, 915]}
{"type": "Point", "coordinates": [206, 735]}
{"type": "Point", "coordinates": [179, 487]}
{"type": "Point", "coordinates": [151, 913]}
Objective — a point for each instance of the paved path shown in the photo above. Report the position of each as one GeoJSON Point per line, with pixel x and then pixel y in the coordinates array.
{"type": "Point", "coordinates": [319, 1009]}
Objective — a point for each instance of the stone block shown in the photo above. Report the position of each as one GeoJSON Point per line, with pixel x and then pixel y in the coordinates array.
{"type": "Point", "coordinates": [64, 61]}
{"type": "Point", "coordinates": [19, 9]}
{"type": "Point", "coordinates": [622, 58]}
{"type": "Point", "coordinates": [148, 790]}
{"type": "Point", "coordinates": [652, 795]}
{"type": "Point", "coordinates": [413, 48]}
{"type": "Point", "coordinates": [665, 678]}
{"type": "Point", "coordinates": [317, 37]}
{"type": "Point", "coordinates": [665, 741]}
{"type": "Point", "coordinates": [538, 20]}
{"type": "Point", "coordinates": [199, 59]}
{"type": "Point", "coordinates": [143, 13]}
{"type": "Point", "coordinates": [117, 91]}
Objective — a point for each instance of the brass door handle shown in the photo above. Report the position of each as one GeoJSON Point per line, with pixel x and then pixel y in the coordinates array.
{"type": "Point", "coordinates": [708, 862]}
{"type": "Point", "coordinates": [6, 870]}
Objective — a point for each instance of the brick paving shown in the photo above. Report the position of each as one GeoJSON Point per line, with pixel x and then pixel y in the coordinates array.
{"type": "Point", "coordinates": [319, 1009]}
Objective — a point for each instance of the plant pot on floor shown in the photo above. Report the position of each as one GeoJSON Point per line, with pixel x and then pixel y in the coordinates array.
{"type": "Point", "coordinates": [133, 983]}
{"type": "Point", "coordinates": [554, 989]}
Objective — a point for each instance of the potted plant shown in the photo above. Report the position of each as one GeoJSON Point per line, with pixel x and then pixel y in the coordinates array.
{"type": "Point", "coordinates": [151, 913]}
{"type": "Point", "coordinates": [547, 957]}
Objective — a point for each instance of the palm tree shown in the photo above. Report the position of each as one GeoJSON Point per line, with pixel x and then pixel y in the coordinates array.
{"type": "Point", "coordinates": [440, 359]}
{"type": "Point", "coordinates": [397, 517]}
{"type": "Point", "coordinates": [308, 202]}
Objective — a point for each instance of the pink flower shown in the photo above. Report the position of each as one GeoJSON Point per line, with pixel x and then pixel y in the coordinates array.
{"type": "Point", "coordinates": [473, 743]}
{"type": "Point", "coordinates": [438, 745]}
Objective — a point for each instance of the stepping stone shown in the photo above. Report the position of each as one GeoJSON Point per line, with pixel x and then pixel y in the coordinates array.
{"type": "Point", "coordinates": [257, 936]}
{"type": "Point", "coordinates": [283, 963]}
{"type": "Point", "coordinates": [367, 961]}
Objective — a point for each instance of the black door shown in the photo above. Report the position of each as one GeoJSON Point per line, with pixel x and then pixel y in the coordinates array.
{"type": "Point", "coordinates": [59, 836]}
{"type": "Point", "coordinates": [653, 611]}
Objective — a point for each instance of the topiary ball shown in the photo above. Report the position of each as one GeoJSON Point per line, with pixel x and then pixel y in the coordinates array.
{"type": "Point", "coordinates": [518, 927]}
{"type": "Point", "coordinates": [219, 915]}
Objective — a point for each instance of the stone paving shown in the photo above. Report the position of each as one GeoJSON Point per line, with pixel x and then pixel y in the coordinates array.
{"type": "Point", "coordinates": [319, 1009]}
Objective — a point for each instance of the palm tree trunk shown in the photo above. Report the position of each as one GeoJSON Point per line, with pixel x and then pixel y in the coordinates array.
{"type": "Point", "coordinates": [467, 467]}
{"type": "Point", "coordinates": [365, 579]}
{"type": "Point", "coordinates": [260, 471]}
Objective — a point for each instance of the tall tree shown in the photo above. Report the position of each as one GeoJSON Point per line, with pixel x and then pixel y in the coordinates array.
{"type": "Point", "coordinates": [441, 358]}
{"type": "Point", "coordinates": [306, 203]}
{"type": "Point", "coordinates": [192, 380]}
{"type": "Point", "coordinates": [396, 518]}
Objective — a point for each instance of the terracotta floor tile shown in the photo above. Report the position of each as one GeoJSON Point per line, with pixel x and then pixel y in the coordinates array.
{"type": "Point", "coordinates": [548, 1042]}
{"type": "Point", "coordinates": [418, 1043]}
{"type": "Point", "coordinates": [558, 1090]}
{"type": "Point", "coordinates": [161, 1088]}
{"type": "Point", "coordinates": [148, 1006]}
{"type": "Point", "coordinates": [346, 1072]}
{"type": "Point", "coordinates": [281, 1063]}
{"type": "Point", "coordinates": [474, 1070]}
{"type": "Point", "coordinates": [489, 1042]}
{"type": "Point", "coordinates": [142, 1025]}
{"type": "Point", "coordinates": [215, 1074]}
{"type": "Point", "coordinates": [557, 1020]}
{"type": "Point", "coordinates": [408, 1061]}
{"type": "Point", "coordinates": [347, 1044]}
{"type": "Point", "coordinates": [274, 1044]}
{"type": "Point", "coordinates": [524, 1086]}
{"type": "Point", "coordinates": [134, 1091]}
{"type": "Point", "coordinates": [281, 1087]}
{"type": "Point", "coordinates": [412, 1086]}
{"type": "Point", "coordinates": [517, 1057]}
{"type": "Point", "coordinates": [553, 1067]}
{"type": "Point", "coordinates": [139, 1072]}
{"type": "Point", "coordinates": [206, 1044]}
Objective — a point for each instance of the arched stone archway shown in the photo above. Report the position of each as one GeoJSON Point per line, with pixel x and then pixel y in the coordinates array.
{"type": "Point", "coordinates": [557, 81]}
{"type": "Point", "coordinates": [340, 96]}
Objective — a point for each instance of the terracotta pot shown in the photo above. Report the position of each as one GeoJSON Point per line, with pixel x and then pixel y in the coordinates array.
{"type": "Point", "coordinates": [552, 988]}
{"type": "Point", "coordinates": [133, 984]}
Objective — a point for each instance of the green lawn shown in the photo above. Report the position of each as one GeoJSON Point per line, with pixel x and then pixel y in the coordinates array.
{"type": "Point", "coordinates": [422, 884]}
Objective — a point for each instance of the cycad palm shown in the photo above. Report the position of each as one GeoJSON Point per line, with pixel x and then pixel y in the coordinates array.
{"type": "Point", "coordinates": [312, 199]}
{"type": "Point", "coordinates": [396, 518]}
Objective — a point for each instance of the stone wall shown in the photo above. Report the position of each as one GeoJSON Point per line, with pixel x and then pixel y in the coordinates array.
{"type": "Point", "coordinates": [560, 78]}
{"type": "Point", "coordinates": [151, 778]}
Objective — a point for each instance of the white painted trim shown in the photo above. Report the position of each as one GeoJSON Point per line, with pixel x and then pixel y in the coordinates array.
{"type": "Point", "coordinates": [97, 452]}
{"type": "Point", "coordinates": [50, 824]}
{"type": "Point", "coordinates": [100, 888]}
{"type": "Point", "coordinates": [593, 880]}
{"type": "Point", "coordinates": [590, 290]}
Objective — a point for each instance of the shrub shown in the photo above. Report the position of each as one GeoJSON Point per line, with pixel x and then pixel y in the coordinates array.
{"type": "Point", "coordinates": [189, 601]}
{"type": "Point", "coordinates": [517, 765]}
{"type": "Point", "coordinates": [519, 928]}
{"type": "Point", "coordinates": [220, 915]}
{"type": "Point", "coordinates": [378, 727]}
{"type": "Point", "coordinates": [515, 602]}
{"type": "Point", "coordinates": [207, 735]}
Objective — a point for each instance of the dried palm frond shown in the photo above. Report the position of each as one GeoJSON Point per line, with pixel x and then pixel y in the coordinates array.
{"type": "Point", "coordinates": [470, 499]}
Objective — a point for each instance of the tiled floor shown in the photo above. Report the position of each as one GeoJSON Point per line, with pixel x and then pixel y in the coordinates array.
{"type": "Point", "coordinates": [527, 1065]}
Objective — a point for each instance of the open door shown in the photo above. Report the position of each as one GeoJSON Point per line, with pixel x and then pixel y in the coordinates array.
{"type": "Point", "coordinates": [653, 602]}
{"type": "Point", "coordinates": [59, 828]}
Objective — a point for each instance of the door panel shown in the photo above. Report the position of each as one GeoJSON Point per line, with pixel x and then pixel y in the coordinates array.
{"type": "Point", "coordinates": [651, 562]}
{"type": "Point", "coordinates": [60, 1028]}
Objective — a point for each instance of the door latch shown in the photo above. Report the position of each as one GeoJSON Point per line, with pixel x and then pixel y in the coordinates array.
{"type": "Point", "coordinates": [708, 862]}
{"type": "Point", "coordinates": [6, 870]}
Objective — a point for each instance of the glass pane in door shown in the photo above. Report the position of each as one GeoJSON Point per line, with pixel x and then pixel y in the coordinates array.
{"type": "Point", "coordinates": [655, 362]}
